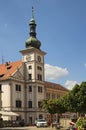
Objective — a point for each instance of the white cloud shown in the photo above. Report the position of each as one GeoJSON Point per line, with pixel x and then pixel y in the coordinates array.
{"type": "Point", "coordinates": [70, 84]}
{"type": "Point", "coordinates": [54, 72]}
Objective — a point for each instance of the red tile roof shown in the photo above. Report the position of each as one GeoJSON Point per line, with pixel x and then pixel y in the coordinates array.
{"type": "Point", "coordinates": [55, 86]}
{"type": "Point", "coordinates": [7, 69]}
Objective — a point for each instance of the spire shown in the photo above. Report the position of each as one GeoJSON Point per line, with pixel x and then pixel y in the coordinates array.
{"type": "Point", "coordinates": [32, 41]}
{"type": "Point", "coordinates": [32, 12]}
{"type": "Point", "coordinates": [32, 25]}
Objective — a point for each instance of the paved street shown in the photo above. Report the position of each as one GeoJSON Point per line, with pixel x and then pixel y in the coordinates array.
{"type": "Point", "coordinates": [26, 128]}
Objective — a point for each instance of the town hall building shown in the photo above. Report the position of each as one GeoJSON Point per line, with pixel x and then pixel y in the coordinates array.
{"type": "Point", "coordinates": [23, 85]}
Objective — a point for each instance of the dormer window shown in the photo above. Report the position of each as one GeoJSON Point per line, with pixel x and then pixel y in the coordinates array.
{"type": "Point", "coordinates": [9, 67]}
{"type": "Point", "coordinates": [1, 75]}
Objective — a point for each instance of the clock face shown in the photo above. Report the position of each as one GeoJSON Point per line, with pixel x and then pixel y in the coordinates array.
{"type": "Point", "coordinates": [39, 59]}
{"type": "Point", "coordinates": [28, 58]}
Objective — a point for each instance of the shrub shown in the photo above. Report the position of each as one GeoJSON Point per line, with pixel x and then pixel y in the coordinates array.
{"type": "Point", "coordinates": [81, 123]}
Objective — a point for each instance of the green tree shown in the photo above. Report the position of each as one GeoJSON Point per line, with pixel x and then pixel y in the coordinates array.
{"type": "Point", "coordinates": [50, 107]}
{"type": "Point", "coordinates": [82, 98]}
{"type": "Point", "coordinates": [53, 106]}
{"type": "Point", "coordinates": [75, 100]}
{"type": "Point", "coordinates": [70, 100]}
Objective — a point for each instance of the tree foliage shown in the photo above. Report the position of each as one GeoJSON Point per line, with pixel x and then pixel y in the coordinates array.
{"type": "Point", "coordinates": [53, 106]}
{"type": "Point", "coordinates": [75, 100]}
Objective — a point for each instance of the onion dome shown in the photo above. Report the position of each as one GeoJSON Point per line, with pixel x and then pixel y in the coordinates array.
{"type": "Point", "coordinates": [32, 41]}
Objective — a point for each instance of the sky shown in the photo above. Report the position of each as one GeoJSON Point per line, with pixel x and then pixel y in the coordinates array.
{"type": "Point", "coordinates": [61, 28]}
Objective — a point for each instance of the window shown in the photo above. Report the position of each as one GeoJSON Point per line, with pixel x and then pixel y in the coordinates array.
{"type": "Point", "coordinates": [18, 118]}
{"type": "Point", "coordinates": [53, 96]}
{"type": "Point", "coordinates": [39, 104]}
{"type": "Point", "coordinates": [30, 104]}
{"type": "Point", "coordinates": [9, 67]}
{"type": "Point", "coordinates": [0, 87]}
{"type": "Point", "coordinates": [39, 68]}
{"type": "Point", "coordinates": [30, 67]}
{"type": "Point", "coordinates": [40, 89]}
{"type": "Point", "coordinates": [30, 76]}
{"type": "Point", "coordinates": [48, 95]}
{"type": "Point", "coordinates": [1, 75]}
{"type": "Point", "coordinates": [18, 104]}
{"type": "Point", "coordinates": [40, 77]}
{"type": "Point", "coordinates": [30, 88]}
{"type": "Point", "coordinates": [58, 95]}
{"type": "Point", "coordinates": [18, 87]}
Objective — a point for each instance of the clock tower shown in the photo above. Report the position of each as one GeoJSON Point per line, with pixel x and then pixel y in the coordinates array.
{"type": "Point", "coordinates": [33, 59]}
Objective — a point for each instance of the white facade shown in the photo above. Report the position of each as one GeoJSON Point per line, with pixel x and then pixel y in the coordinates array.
{"type": "Point", "coordinates": [35, 68]}
{"type": "Point", "coordinates": [23, 82]}
{"type": "Point", "coordinates": [28, 91]}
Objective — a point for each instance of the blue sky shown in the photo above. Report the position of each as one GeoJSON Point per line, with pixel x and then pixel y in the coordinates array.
{"type": "Point", "coordinates": [61, 28]}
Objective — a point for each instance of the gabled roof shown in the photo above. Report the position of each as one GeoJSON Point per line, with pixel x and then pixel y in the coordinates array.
{"type": "Point", "coordinates": [55, 86]}
{"type": "Point", "coordinates": [8, 69]}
